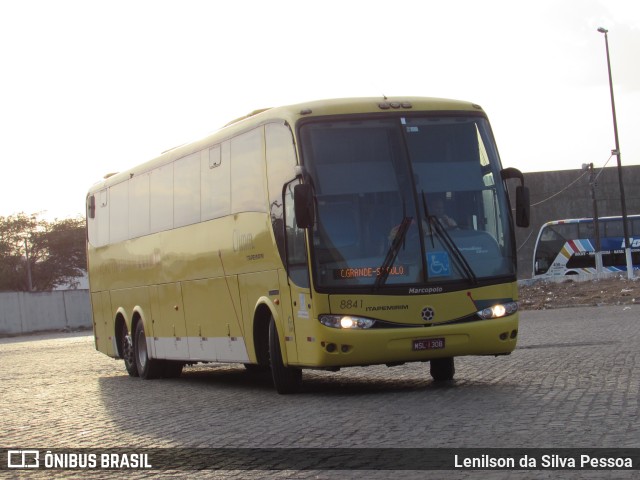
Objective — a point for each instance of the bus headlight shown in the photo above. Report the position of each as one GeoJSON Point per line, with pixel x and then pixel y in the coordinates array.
{"type": "Point", "coordinates": [346, 321]}
{"type": "Point", "coordinates": [499, 310]}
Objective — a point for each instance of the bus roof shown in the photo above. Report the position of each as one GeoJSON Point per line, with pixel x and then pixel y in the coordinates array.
{"type": "Point", "coordinates": [584, 220]}
{"type": "Point", "coordinates": [291, 114]}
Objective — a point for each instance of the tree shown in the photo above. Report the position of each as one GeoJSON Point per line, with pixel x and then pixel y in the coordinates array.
{"type": "Point", "coordinates": [46, 253]}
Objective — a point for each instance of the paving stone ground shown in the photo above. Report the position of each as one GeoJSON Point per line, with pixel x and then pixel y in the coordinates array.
{"type": "Point", "coordinates": [573, 382]}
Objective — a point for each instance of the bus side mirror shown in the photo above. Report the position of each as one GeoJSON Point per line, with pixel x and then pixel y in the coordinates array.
{"type": "Point", "coordinates": [523, 206]}
{"type": "Point", "coordinates": [303, 205]}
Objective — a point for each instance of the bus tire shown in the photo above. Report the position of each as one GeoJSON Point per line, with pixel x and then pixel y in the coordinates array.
{"type": "Point", "coordinates": [285, 379]}
{"type": "Point", "coordinates": [442, 369]}
{"type": "Point", "coordinates": [148, 368]}
{"type": "Point", "coordinates": [128, 355]}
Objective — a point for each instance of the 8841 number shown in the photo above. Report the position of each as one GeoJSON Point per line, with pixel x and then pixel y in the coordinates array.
{"type": "Point", "coordinates": [349, 304]}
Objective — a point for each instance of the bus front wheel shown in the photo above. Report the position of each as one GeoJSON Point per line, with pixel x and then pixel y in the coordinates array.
{"type": "Point", "coordinates": [148, 368]}
{"type": "Point", "coordinates": [285, 379]}
{"type": "Point", "coordinates": [442, 369]}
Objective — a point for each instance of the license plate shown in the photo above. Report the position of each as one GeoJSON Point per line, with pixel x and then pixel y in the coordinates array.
{"type": "Point", "coordinates": [428, 344]}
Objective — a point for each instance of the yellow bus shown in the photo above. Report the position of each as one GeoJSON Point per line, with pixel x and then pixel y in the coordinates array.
{"type": "Point", "coordinates": [323, 235]}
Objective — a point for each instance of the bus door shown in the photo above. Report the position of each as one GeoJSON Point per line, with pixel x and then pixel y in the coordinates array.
{"type": "Point", "coordinates": [295, 282]}
{"type": "Point", "coordinates": [281, 160]}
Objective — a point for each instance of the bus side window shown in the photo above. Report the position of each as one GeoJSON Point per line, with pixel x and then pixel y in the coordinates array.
{"type": "Point", "coordinates": [295, 243]}
{"type": "Point", "coordinates": [281, 161]}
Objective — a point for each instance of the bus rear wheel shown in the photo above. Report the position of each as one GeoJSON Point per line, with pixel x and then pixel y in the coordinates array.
{"type": "Point", "coordinates": [148, 368]}
{"type": "Point", "coordinates": [285, 379]}
{"type": "Point", "coordinates": [127, 351]}
{"type": "Point", "coordinates": [442, 369]}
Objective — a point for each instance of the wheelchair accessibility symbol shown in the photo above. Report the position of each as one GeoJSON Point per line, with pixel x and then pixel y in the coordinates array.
{"type": "Point", "coordinates": [438, 264]}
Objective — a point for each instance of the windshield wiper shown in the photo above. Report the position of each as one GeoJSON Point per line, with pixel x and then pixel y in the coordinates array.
{"type": "Point", "coordinates": [392, 253]}
{"type": "Point", "coordinates": [441, 233]}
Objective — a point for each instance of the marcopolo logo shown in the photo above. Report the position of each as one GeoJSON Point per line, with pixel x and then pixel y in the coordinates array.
{"type": "Point", "coordinates": [428, 314]}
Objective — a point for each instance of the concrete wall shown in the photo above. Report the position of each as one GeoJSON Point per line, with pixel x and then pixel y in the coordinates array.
{"type": "Point", "coordinates": [22, 312]}
{"type": "Point", "coordinates": [574, 202]}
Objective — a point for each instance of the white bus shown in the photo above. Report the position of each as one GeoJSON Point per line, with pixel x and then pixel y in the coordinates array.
{"type": "Point", "coordinates": [568, 247]}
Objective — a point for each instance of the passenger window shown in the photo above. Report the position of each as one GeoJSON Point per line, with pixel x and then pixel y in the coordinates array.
{"type": "Point", "coordinates": [216, 182]}
{"type": "Point", "coordinates": [186, 190]}
{"type": "Point", "coordinates": [247, 173]}
{"type": "Point", "coordinates": [161, 201]}
{"type": "Point", "coordinates": [139, 205]}
{"type": "Point", "coordinates": [102, 214]}
{"type": "Point", "coordinates": [119, 212]}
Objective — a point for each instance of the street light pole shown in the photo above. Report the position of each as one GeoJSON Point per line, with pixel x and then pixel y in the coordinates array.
{"type": "Point", "coordinates": [596, 220]}
{"type": "Point", "coordinates": [616, 152]}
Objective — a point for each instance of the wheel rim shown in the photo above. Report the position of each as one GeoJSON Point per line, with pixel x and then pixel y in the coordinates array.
{"type": "Point", "coordinates": [127, 353]}
{"type": "Point", "coordinates": [141, 343]}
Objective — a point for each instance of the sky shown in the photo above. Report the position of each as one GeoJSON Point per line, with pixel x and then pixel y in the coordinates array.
{"type": "Point", "coordinates": [89, 87]}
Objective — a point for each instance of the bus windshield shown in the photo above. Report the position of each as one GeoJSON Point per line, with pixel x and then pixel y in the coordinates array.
{"type": "Point", "coordinates": [406, 201]}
